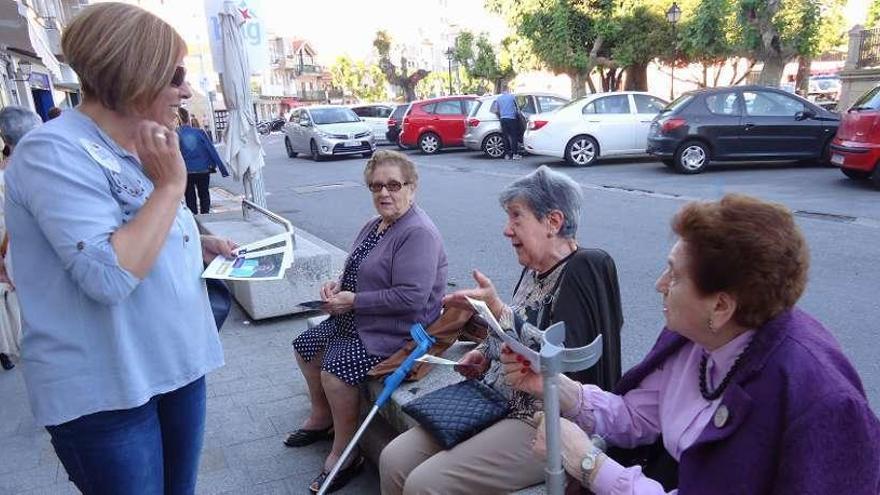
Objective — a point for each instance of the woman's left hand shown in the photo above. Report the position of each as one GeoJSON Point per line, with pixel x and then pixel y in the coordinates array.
{"type": "Point", "coordinates": [339, 303]}
{"type": "Point", "coordinates": [213, 246]}
{"type": "Point", "coordinates": [575, 441]}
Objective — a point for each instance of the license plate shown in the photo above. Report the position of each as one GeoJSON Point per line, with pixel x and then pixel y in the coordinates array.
{"type": "Point", "coordinates": [352, 144]}
{"type": "Point", "coordinates": [837, 159]}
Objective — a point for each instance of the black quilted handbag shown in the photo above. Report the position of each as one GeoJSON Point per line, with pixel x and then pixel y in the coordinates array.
{"type": "Point", "coordinates": [459, 411]}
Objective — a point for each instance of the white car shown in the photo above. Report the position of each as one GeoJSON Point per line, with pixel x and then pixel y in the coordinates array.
{"type": "Point", "coordinates": [327, 130]}
{"type": "Point", "coordinates": [596, 125]}
{"type": "Point", "coordinates": [376, 116]}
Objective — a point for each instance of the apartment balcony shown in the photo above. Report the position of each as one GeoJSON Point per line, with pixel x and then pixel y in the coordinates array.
{"type": "Point", "coordinates": [318, 95]}
{"type": "Point", "coordinates": [301, 69]}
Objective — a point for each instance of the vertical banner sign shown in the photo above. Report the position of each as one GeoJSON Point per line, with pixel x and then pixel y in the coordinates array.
{"type": "Point", "coordinates": [253, 31]}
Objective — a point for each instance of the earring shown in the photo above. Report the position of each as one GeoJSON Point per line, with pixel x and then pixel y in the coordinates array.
{"type": "Point", "coordinates": [711, 325]}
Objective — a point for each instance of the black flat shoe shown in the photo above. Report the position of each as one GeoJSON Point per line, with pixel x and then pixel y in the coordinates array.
{"type": "Point", "coordinates": [302, 437]}
{"type": "Point", "coordinates": [6, 362]}
{"type": "Point", "coordinates": [342, 477]}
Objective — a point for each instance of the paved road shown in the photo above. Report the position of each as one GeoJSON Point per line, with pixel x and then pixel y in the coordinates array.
{"type": "Point", "coordinates": [628, 207]}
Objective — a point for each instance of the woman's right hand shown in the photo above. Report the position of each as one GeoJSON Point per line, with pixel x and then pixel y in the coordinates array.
{"type": "Point", "coordinates": [519, 374]}
{"type": "Point", "coordinates": [485, 291]}
{"type": "Point", "coordinates": [472, 365]}
{"type": "Point", "coordinates": [329, 289]}
{"type": "Point", "coordinates": [159, 153]}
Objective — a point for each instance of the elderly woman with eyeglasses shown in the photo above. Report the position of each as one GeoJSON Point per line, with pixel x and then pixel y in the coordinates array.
{"type": "Point", "coordinates": [743, 392]}
{"type": "Point", "coordinates": [395, 276]}
{"type": "Point", "coordinates": [560, 282]}
{"type": "Point", "coordinates": [118, 330]}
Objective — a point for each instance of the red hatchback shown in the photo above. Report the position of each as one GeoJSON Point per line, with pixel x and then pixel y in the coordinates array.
{"type": "Point", "coordinates": [436, 123]}
{"type": "Point", "coordinates": [856, 148]}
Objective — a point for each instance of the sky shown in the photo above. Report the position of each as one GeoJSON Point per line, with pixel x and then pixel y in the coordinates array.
{"type": "Point", "coordinates": [336, 27]}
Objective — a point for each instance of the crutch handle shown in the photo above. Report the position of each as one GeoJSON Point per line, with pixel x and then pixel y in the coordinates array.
{"type": "Point", "coordinates": [423, 341]}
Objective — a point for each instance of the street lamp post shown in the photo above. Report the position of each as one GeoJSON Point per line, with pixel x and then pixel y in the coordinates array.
{"type": "Point", "coordinates": [673, 15]}
{"type": "Point", "coordinates": [450, 54]}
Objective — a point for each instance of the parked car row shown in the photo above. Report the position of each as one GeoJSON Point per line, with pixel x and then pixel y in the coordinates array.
{"type": "Point", "coordinates": [741, 123]}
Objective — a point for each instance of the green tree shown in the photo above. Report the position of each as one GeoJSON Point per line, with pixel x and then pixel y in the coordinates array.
{"type": "Point", "coordinates": [565, 35]}
{"type": "Point", "coordinates": [777, 32]}
{"type": "Point", "coordinates": [485, 70]}
{"type": "Point", "coordinates": [636, 34]}
{"type": "Point", "coordinates": [433, 85]}
{"type": "Point", "coordinates": [711, 36]}
{"type": "Point", "coordinates": [364, 82]}
{"type": "Point", "coordinates": [873, 15]}
{"type": "Point", "coordinates": [399, 76]}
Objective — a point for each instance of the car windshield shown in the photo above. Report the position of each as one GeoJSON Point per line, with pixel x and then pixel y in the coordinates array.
{"type": "Point", "coordinates": [677, 103]}
{"type": "Point", "coordinates": [333, 116]}
{"type": "Point", "coordinates": [868, 101]}
{"type": "Point", "coordinates": [399, 111]}
{"type": "Point", "coordinates": [824, 85]}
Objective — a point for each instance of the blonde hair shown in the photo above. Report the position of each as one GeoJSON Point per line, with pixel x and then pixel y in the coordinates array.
{"type": "Point", "coordinates": [390, 157]}
{"type": "Point", "coordinates": [124, 55]}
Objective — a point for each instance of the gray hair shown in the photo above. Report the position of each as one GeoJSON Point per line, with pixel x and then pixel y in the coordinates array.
{"type": "Point", "coordinates": [545, 190]}
{"type": "Point", "coordinates": [15, 122]}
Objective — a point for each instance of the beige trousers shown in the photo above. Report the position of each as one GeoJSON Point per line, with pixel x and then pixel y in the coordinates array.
{"type": "Point", "coordinates": [496, 460]}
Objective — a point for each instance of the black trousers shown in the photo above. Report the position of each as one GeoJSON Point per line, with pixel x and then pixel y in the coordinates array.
{"type": "Point", "coordinates": [198, 183]}
{"type": "Point", "coordinates": [510, 130]}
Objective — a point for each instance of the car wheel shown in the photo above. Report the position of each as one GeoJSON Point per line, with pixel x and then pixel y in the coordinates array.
{"type": "Point", "coordinates": [669, 163]}
{"type": "Point", "coordinates": [691, 157]}
{"type": "Point", "coordinates": [493, 146]}
{"type": "Point", "coordinates": [582, 151]}
{"type": "Point", "coordinates": [875, 177]}
{"type": "Point", "coordinates": [856, 174]}
{"type": "Point", "coordinates": [429, 143]}
{"type": "Point", "coordinates": [316, 155]}
{"type": "Point", "coordinates": [289, 148]}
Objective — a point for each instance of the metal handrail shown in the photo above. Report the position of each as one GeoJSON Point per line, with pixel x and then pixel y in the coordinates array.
{"type": "Point", "coordinates": [273, 217]}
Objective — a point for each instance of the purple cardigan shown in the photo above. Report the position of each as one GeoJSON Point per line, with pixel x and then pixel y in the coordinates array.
{"type": "Point", "coordinates": [401, 282]}
{"type": "Point", "coordinates": [799, 421]}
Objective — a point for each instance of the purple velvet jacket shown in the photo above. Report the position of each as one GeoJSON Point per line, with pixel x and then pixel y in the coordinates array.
{"type": "Point", "coordinates": [401, 281]}
{"type": "Point", "coordinates": [799, 421]}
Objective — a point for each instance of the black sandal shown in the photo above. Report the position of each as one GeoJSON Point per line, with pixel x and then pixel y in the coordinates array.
{"type": "Point", "coordinates": [303, 437]}
{"type": "Point", "coordinates": [342, 477]}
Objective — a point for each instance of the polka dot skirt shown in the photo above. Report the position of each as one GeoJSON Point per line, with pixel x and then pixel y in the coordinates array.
{"type": "Point", "coordinates": [344, 354]}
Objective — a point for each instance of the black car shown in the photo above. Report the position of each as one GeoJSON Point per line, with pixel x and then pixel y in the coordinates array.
{"type": "Point", "coordinates": [394, 122]}
{"type": "Point", "coordinates": [743, 123]}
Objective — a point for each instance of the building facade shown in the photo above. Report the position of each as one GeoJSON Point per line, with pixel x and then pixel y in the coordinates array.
{"type": "Point", "coordinates": [33, 73]}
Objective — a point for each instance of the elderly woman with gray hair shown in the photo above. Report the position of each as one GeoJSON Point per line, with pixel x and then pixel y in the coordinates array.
{"type": "Point", "coordinates": [560, 281]}
{"type": "Point", "coordinates": [15, 122]}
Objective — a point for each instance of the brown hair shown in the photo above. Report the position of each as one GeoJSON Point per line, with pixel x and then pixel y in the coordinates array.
{"type": "Point", "coordinates": [748, 247]}
{"type": "Point", "coordinates": [124, 55]}
{"type": "Point", "coordinates": [389, 157]}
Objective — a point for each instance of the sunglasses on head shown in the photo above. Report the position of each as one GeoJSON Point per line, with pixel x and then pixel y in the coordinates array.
{"type": "Point", "coordinates": [392, 186]}
{"type": "Point", "coordinates": [179, 77]}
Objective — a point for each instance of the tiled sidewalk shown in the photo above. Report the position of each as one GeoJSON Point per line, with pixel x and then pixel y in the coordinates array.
{"type": "Point", "coordinates": [252, 403]}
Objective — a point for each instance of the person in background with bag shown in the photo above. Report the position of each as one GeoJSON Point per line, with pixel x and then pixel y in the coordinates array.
{"type": "Point", "coordinates": [118, 332]}
{"type": "Point", "coordinates": [15, 122]}
{"type": "Point", "coordinates": [508, 113]}
{"type": "Point", "coordinates": [742, 392]}
{"type": "Point", "coordinates": [395, 276]}
{"type": "Point", "coordinates": [560, 281]}
{"type": "Point", "coordinates": [201, 160]}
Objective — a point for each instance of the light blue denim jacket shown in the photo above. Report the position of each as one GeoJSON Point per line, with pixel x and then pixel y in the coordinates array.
{"type": "Point", "coordinates": [95, 337]}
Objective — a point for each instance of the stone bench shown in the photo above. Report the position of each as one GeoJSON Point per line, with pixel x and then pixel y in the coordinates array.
{"type": "Point", "coordinates": [391, 420]}
{"type": "Point", "coordinates": [314, 262]}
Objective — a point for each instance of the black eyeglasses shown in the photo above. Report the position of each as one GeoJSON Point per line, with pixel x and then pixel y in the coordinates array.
{"type": "Point", "coordinates": [179, 77]}
{"type": "Point", "coordinates": [392, 186]}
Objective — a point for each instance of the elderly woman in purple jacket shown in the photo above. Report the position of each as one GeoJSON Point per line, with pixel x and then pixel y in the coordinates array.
{"type": "Point", "coordinates": [395, 276]}
{"type": "Point", "coordinates": [742, 393]}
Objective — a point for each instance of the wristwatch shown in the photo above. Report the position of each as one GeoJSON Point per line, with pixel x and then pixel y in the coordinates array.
{"type": "Point", "coordinates": [588, 464]}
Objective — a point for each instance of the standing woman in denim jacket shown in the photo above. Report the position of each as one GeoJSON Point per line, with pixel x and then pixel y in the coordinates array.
{"type": "Point", "coordinates": [201, 160]}
{"type": "Point", "coordinates": [118, 332]}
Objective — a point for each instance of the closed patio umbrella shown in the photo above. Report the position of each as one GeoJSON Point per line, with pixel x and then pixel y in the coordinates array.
{"type": "Point", "coordinates": [243, 151]}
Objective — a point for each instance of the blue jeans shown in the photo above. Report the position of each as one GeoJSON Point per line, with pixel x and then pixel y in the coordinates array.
{"type": "Point", "coordinates": [151, 449]}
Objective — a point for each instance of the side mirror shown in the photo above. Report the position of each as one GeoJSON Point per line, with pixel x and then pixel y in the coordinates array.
{"type": "Point", "coordinates": [804, 115]}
